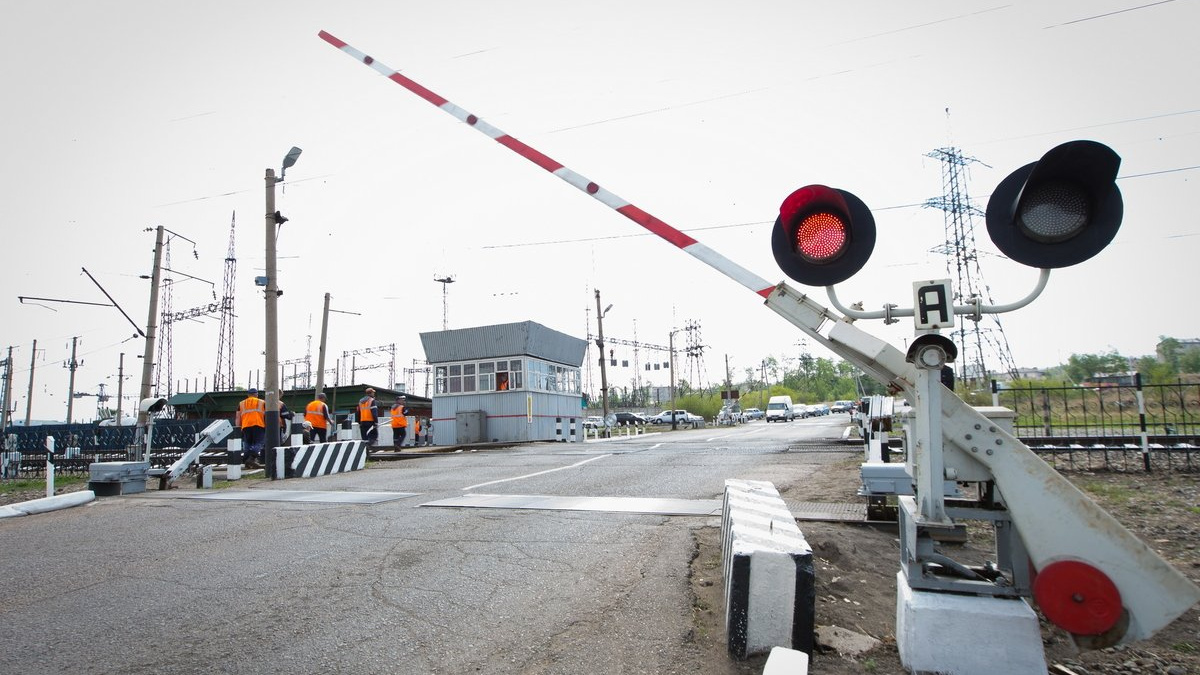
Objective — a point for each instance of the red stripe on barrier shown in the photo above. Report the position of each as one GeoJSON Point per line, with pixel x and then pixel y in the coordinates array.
{"type": "Point", "coordinates": [417, 89]}
{"type": "Point", "coordinates": [529, 153]}
{"type": "Point", "coordinates": [656, 226]}
{"type": "Point", "coordinates": [331, 40]}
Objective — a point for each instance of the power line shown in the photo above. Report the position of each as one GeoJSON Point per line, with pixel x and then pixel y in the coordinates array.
{"type": "Point", "coordinates": [1101, 16]}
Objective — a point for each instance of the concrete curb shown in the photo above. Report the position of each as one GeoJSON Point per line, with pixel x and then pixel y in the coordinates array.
{"type": "Point", "coordinates": [47, 504]}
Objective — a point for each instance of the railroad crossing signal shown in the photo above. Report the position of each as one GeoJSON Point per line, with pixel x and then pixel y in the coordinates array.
{"type": "Point", "coordinates": [823, 235]}
{"type": "Point", "coordinates": [1060, 210]}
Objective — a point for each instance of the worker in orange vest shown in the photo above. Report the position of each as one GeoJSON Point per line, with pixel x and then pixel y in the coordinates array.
{"type": "Point", "coordinates": [317, 415]}
{"type": "Point", "coordinates": [252, 418]}
{"type": "Point", "coordinates": [417, 432]}
{"type": "Point", "coordinates": [399, 422]}
{"type": "Point", "coordinates": [368, 413]}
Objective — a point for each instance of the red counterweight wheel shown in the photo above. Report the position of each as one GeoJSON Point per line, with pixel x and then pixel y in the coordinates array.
{"type": "Point", "coordinates": [1077, 597]}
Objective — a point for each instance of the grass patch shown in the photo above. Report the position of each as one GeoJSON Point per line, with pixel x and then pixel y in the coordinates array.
{"type": "Point", "coordinates": [1113, 493]}
{"type": "Point", "coordinates": [40, 483]}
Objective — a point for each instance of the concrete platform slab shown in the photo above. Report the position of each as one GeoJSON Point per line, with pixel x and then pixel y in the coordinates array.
{"type": "Point", "coordinates": [644, 505]}
{"type": "Point", "coordinates": [302, 496]}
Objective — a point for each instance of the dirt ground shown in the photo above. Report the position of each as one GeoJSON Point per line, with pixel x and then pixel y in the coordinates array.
{"type": "Point", "coordinates": [856, 567]}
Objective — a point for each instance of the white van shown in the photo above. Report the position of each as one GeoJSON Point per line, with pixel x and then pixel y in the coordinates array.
{"type": "Point", "coordinates": [780, 408]}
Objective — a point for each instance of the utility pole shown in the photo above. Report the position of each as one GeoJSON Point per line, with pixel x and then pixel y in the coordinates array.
{"type": "Point", "coordinates": [321, 348]}
{"type": "Point", "coordinates": [762, 403]}
{"type": "Point", "coordinates": [603, 371]}
{"type": "Point", "coordinates": [151, 330]}
{"type": "Point", "coordinates": [671, 347]}
{"type": "Point", "coordinates": [272, 316]}
{"type": "Point", "coordinates": [29, 398]}
{"type": "Point", "coordinates": [273, 219]}
{"type": "Point", "coordinates": [72, 365]}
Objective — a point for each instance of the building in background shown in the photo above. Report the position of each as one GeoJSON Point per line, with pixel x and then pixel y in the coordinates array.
{"type": "Point", "coordinates": [505, 383]}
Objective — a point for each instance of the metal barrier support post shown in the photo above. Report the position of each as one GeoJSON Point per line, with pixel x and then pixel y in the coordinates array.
{"type": "Point", "coordinates": [1141, 401]}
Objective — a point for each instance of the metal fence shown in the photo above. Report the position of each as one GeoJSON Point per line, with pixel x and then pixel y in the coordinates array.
{"type": "Point", "coordinates": [78, 445]}
{"type": "Point", "coordinates": [1114, 427]}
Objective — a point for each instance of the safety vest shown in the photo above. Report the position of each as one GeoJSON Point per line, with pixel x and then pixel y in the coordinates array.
{"type": "Point", "coordinates": [365, 414]}
{"type": "Point", "coordinates": [418, 426]}
{"type": "Point", "coordinates": [399, 421]}
{"type": "Point", "coordinates": [254, 412]}
{"type": "Point", "coordinates": [315, 413]}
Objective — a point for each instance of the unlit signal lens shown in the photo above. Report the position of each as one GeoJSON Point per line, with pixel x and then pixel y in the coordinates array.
{"type": "Point", "coordinates": [821, 237]}
{"type": "Point", "coordinates": [1054, 211]}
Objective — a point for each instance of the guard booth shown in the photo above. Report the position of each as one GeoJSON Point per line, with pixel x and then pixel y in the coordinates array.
{"type": "Point", "coordinates": [505, 383]}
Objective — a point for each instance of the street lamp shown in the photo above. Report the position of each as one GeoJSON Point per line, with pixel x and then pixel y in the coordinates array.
{"type": "Point", "coordinates": [273, 220]}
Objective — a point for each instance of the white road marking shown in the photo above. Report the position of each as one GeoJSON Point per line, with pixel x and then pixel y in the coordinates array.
{"type": "Point", "coordinates": [539, 473]}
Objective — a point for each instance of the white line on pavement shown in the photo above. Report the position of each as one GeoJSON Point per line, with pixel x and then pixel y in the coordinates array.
{"type": "Point", "coordinates": [539, 473]}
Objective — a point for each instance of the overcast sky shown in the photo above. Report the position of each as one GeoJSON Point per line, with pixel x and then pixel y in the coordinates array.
{"type": "Point", "coordinates": [121, 116]}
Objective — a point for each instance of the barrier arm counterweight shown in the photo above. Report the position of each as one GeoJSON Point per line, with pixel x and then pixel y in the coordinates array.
{"type": "Point", "coordinates": [1151, 591]}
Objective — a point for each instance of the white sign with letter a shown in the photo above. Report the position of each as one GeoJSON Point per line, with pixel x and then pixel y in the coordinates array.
{"type": "Point", "coordinates": [933, 307]}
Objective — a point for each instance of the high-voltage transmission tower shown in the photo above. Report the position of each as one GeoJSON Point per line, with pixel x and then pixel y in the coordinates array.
{"type": "Point", "coordinates": [223, 374]}
{"type": "Point", "coordinates": [695, 355]}
{"type": "Point", "coordinates": [975, 341]}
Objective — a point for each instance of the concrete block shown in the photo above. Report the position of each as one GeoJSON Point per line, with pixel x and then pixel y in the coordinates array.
{"type": "Point", "coordinates": [966, 635]}
{"type": "Point", "coordinates": [770, 595]}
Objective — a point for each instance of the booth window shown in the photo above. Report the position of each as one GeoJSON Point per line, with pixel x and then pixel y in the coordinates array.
{"type": "Point", "coordinates": [506, 375]}
{"type": "Point", "coordinates": [468, 377]}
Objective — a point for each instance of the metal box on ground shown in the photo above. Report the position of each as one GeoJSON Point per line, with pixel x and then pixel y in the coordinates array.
{"type": "Point", "coordinates": [470, 426]}
{"type": "Point", "coordinates": [107, 479]}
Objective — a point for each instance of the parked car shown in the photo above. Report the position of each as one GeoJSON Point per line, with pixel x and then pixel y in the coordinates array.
{"type": "Point", "coordinates": [681, 416]}
{"type": "Point", "coordinates": [842, 406]}
{"type": "Point", "coordinates": [820, 409]}
{"type": "Point", "coordinates": [593, 422]}
{"type": "Point", "coordinates": [753, 414]}
{"type": "Point", "coordinates": [626, 419]}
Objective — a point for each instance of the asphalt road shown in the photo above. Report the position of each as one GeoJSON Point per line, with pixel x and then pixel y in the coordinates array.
{"type": "Point", "coordinates": [164, 582]}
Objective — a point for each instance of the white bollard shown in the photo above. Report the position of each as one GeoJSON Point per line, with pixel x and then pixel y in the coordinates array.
{"type": "Point", "coordinates": [49, 466]}
{"type": "Point", "coordinates": [234, 452]}
{"type": "Point", "coordinates": [280, 464]}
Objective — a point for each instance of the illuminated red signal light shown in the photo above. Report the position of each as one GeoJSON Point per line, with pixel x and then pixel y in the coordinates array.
{"type": "Point", "coordinates": [823, 235]}
{"type": "Point", "coordinates": [1060, 210]}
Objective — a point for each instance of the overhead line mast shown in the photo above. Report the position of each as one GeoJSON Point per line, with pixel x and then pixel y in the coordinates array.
{"type": "Point", "coordinates": [223, 373]}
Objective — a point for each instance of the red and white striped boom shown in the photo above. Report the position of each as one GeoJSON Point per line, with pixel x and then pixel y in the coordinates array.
{"type": "Point", "coordinates": [637, 215]}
